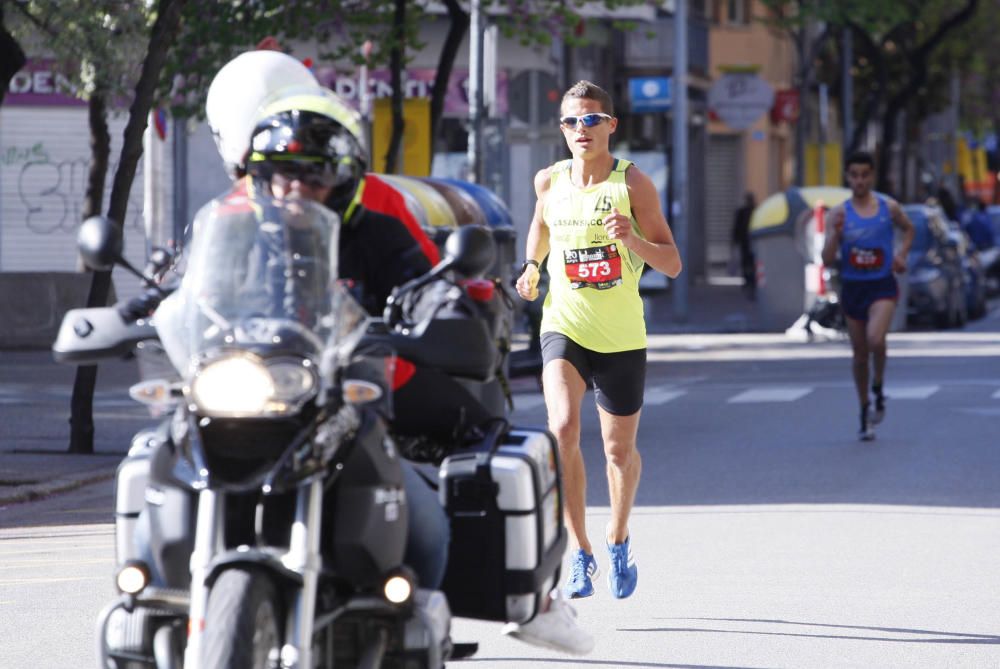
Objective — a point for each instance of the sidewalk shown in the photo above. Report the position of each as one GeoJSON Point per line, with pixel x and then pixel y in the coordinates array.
{"type": "Point", "coordinates": [35, 394]}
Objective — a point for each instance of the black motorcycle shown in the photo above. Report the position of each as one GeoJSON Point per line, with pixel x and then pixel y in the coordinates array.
{"type": "Point", "coordinates": [273, 515]}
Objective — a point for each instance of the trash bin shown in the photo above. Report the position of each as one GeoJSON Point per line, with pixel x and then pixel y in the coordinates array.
{"type": "Point", "coordinates": [498, 219]}
{"type": "Point", "coordinates": [782, 233]}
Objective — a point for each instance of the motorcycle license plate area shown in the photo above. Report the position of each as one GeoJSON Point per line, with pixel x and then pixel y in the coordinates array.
{"type": "Point", "coordinates": [506, 505]}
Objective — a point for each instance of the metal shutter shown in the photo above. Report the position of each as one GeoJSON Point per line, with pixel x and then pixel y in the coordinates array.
{"type": "Point", "coordinates": [724, 193]}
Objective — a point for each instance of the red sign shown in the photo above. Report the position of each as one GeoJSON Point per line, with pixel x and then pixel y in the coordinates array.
{"type": "Point", "coordinates": [786, 106]}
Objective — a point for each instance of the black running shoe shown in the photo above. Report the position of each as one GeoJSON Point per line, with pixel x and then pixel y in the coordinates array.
{"type": "Point", "coordinates": [866, 433]}
{"type": "Point", "coordinates": [879, 409]}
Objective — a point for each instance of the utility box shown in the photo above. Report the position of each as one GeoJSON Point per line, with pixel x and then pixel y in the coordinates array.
{"type": "Point", "coordinates": [784, 235]}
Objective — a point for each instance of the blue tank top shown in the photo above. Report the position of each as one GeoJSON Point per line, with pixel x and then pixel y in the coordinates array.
{"type": "Point", "coordinates": [866, 245]}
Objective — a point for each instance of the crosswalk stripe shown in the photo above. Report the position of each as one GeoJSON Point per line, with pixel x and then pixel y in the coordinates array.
{"type": "Point", "coordinates": [910, 392]}
{"type": "Point", "coordinates": [770, 394]}
{"type": "Point", "coordinates": [657, 396]}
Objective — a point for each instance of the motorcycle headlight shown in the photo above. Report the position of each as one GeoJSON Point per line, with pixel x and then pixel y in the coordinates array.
{"type": "Point", "coordinates": [244, 385]}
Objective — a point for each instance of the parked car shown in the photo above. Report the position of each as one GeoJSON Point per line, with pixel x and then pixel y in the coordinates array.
{"type": "Point", "coordinates": [990, 258]}
{"type": "Point", "coordinates": [972, 269]}
{"type": "Point", "coordinates": [936, 279]}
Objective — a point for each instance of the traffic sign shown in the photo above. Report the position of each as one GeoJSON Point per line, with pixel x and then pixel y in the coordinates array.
{"type": "Point", "coordinates": [649, 94]}
{"type": "Point", "coordinates": [740, 98]}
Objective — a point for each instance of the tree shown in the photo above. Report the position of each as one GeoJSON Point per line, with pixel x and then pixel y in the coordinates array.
{"type": "Point", "coordinates": [896, 41]}
{"type": "Point", "coordinates": [12, 57]}
{"type": "Point", "coordinates": [342, 27]}
{"type": "Point", "coordinates": [101, 37]}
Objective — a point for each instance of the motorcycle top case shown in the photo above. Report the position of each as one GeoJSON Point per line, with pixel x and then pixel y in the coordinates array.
{"type": "Point", "coordinates": [507, 536]}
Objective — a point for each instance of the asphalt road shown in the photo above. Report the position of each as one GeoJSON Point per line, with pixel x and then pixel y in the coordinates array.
{"type": "Point", "coordinates": [766, 534]}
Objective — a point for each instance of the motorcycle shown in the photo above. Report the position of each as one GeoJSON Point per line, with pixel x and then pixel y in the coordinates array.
{"type": "Point", "coordinates": [263, 524]}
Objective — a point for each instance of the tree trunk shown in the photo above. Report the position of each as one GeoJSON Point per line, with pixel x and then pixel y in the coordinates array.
{"type": "Point", "coordinates": [396, 69]}
{"type": "Point", "coordinates": [168, 17]}
{"type": "Point", "coordinates": [12, 57]}
{"type": "Point", "coordinates": [81, 416]}
{"type": "Point", "coordinates": [458, 27]}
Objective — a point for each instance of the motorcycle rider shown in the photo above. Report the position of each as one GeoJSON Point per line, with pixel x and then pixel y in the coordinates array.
{"type": "Point", "coordinates": [307, 144]}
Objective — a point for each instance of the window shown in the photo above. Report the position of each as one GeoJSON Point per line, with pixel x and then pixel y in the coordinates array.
{"type": "Point", "coordinates": [738, 12]}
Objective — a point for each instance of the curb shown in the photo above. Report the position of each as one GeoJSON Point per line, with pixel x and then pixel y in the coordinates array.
{"type": "Point", "coordinates": [32, 492]}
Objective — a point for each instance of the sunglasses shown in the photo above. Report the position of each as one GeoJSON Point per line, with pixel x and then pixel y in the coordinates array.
{"type": "Point", "coordinates": [314, 175]}
{"type": "Point", "coordinates": [588, 120]}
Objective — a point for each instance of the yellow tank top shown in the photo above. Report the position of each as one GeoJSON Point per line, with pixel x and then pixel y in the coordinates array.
{"type": "Point", "coordinates": [593, 293]}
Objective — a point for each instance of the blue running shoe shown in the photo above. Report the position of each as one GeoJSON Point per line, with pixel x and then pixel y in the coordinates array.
{"type": "Point", "coordinates": [583, 570]}
{"type": "Point", "coordinates": [624, 573]}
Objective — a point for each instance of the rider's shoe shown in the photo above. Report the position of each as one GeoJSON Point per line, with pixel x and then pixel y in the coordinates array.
{"type": "Point", "coordinates": [582, 572]}
{"type": "Point", "coordinates": [867, 432]}
{"type": "Point", "coordinates": [623, 575]}
{"type": "Point", "coordinates": [879, 412]}
{"type": "Point", "coordinates": [555, 629]}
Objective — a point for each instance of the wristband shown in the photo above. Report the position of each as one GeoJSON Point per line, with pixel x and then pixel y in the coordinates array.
{"type": "Point", "coordinates": [529, 262]}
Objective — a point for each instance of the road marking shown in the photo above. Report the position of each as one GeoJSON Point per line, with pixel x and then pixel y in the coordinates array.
{"type": "Point", "coordinates": [661, 395]}
{"type": "Point", "coordinates": [58, 561]}
{"type": "Point", "coordinates": [64, 579]}
{"type": "Point", "coordinates": [910, 392]}
{"type": "Point", "coordinates": [770, 394]}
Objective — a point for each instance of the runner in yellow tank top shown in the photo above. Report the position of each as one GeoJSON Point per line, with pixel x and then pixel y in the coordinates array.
{"type": "Point", "coordinates": [598, 220]}
{"type": "Point", "coordinates": [593, 294]}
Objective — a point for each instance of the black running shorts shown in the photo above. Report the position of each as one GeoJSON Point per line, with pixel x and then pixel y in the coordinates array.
{"type": "Point", "coordinates": [619, 379]}
{"type": "Point", "coordinates": [857, 296]}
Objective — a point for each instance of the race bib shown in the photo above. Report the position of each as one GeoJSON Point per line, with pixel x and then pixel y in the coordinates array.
{"type": "Point", "coordinates": [597, 267]}
{"type": "Point", "coordinates": [866, 260]}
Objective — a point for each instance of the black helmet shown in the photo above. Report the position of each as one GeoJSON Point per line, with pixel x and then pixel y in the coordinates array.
{"type": "Point", "coordinates": [310, 135]}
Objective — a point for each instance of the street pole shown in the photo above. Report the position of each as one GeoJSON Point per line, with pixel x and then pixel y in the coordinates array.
{"type": "Point", "coordinates": [475, 91]}
{"type": "Point", "coordinates": [679, 215]}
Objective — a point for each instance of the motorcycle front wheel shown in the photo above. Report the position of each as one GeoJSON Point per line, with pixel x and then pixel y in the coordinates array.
{"type": "Point", "coordinates": [242, 622]}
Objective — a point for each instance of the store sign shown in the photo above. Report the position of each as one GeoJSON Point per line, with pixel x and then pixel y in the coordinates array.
{"type": "Point", "coordinates": [786, 106]}
{"type": "Point", "coordinates": [739, 99]}
{"type": "Point", "coordinates": [417, 83]}
{"type": "Point", "coordinates": [38, 84]}
{"type": "Point", "coordinates": [649, 94]}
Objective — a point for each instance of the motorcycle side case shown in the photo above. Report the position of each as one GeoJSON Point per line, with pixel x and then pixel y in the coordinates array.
{"type": "Point", "coordinates": [507, 533]}
{"type": "Point", "coordinates": [131, 479]}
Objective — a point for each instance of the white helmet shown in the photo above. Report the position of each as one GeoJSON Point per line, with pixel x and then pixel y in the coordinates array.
{"type": "Point", "coordinates": [238, 90]}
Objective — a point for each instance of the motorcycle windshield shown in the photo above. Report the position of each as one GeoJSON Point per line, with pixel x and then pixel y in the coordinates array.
{"type": "Point", "coordinates": [260, 276]}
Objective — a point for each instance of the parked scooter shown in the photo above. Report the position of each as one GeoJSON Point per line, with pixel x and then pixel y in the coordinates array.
{"type": "Point", "coordinates": [274, 509]}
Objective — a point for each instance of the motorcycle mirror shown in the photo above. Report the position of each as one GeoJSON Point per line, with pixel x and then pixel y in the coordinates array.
{"type": "Point", "coordinates": [100, 243]}
{"type": "Point", "coordinates": [470, 250]}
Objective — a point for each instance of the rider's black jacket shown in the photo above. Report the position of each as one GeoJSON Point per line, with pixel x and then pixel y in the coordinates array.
{"type": "Point", "coordinates": [379, 254]}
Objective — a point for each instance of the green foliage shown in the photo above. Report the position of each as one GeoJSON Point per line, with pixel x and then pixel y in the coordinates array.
{"type": "Point", "coordinates": [98, 45]}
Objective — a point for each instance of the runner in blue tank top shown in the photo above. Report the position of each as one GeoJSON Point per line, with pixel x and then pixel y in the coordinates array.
{"type": "Point", "coordinates": [859, 241]}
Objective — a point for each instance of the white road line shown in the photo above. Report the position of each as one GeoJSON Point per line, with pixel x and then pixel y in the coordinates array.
{"type": "Point", "coordinates": [656, 396]}
{"type": "Point", "coordinates": [910, 392]}
{"type": "Point", "coordinates": [770, 394]}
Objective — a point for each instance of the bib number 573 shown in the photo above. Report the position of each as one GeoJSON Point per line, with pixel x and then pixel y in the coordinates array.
{"type": "Point", "coordinates": [594, 270]}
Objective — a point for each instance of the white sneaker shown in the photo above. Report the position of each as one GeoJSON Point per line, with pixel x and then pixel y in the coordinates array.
{"type": "Point", "coordinates": [555, 629]}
